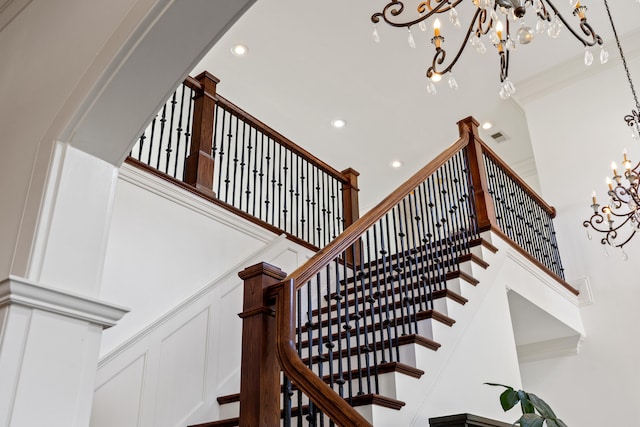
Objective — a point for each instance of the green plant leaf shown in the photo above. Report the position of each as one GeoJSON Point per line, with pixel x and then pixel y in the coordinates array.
{"type": "Point", "coordinates": [499, 385]}
{"type": "Point", "coordinates": [509, 399]}
{"type": "Point", "coordinates": [525, 402]}
{"type": "Point", "coordinates": [531, 420]}
{"type": "Point", "coordinates": [542, 406]}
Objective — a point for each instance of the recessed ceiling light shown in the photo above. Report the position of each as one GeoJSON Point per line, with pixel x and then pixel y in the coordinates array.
{"type": "Point", "coordinates": [338, 123]}
{"type": "Point", "coordinates": [487, 125]}
{"type": "Point", "coordinates": [240, 50]}
{"type": "Point", "coordinates": [395, 164]}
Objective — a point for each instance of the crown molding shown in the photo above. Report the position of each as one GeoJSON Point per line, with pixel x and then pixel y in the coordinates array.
{"type": "Point", "coordinates": [573, 70]}
{"type": "Point", "coordinates": [18, 291]}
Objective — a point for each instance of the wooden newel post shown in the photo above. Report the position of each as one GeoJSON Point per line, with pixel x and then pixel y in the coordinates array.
{"type": "Point", "coordinates": [260, 370]}
{"type": "Point", "coordinates": [200, 163]}
{"type": "Point", "coordinates": [351, 207]}
{"type": "Point", "coordinates": [485, 212]}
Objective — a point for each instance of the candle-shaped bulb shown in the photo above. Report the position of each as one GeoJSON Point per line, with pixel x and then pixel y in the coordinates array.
{"type": "Point", "coordinates": [577, 5]}
{"type": "Point", "coordinates": [593, 197]}
{"type": "Point", "coordinates": [610, 184]}
{"type": "Point", "coordinates": [499, 29]}
{"type": "Point", "coordinates": [624, 153]}
{"type": "Point", "coordinates": [436, 28]}
{"type": "Point", "coordinates": [613, 168]}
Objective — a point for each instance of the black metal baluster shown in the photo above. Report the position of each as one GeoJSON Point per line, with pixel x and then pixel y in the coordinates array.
{"type": "Point", "coordinates": [243, 163]}
{"type": "Point", "coordinates": [311, 415]}
{"type": "Point", "coordinates": [326, 210]}
{"type": "Point", "coordinates": [425, 252]}
{"type": "Point", "coordinates": [179, 132]}
{"type": "Point", "coordinates": [234, 175]}
{"type": "Point", "coordinates": [168, 149]}
{"type": "Point", "coordinates": [285, 208]}
{"type": "Point", "coordinates": [267, 198]}
{"type": "Point", "coordinates": [281, 201]}
{"type": "Point", "coordinates": [248, 188]}
{"type": "Point", "coordinates": [372, 299]}
{"type": "Point", "coordinates": [334, 209]}
{"type": "Point", "coordinates": [438, 250]}
{"type": "Point", "coordinates": [299, 347]}
{"type": "Point", "coordinates": [286, 401]}
{"type": "Point", "coordinates": [163, 120]}
{"type": "Point", "coordinates": [391, 282]}
{"type": "Point", "coordinates": [338, 299]}
{"type": "Point", "coordinates": [385, 321]}
{"type": "Point", "coordinates": [309, 214]}
{"type": "Point", "coordinates": [141, 144]}
{"type": "Point", "coordinates": [152, 139]}
{"type": "Point", "coordinates": [347, 321]}
{"type": "Point", "coordinates": [401, 273]}
{"type": "Point", "coordinates": [357, 275]}
{"type": "Point", "coordinates": [255, 172]}
{"type": "Point", "coordinates": [330, 344]}
{"type": "Point", "coordinates": [318, 216]}
{"type": "Point", "coordinates": [227, 168]}
{"type": "Point", "coordinates": [187, 133]}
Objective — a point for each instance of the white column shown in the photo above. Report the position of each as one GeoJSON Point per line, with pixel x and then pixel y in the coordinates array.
{"type": "Point", "coordinates": [51, 322]}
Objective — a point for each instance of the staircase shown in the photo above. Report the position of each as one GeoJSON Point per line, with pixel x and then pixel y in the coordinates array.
{"type": "Point", "coordinates": [365, 360]}
{"type": "Point", "coordinates": [355, 323]}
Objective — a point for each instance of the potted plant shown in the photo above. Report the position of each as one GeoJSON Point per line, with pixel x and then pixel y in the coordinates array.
{"type": "Point", "coordinates": [535, 411]}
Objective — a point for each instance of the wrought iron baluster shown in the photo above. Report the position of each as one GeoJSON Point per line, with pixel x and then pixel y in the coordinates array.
{"type": "Point", "coordinates": [152, 139]}
{"type": "Point", "coordinates": [168, 148]}
{"type": "Point", "coordinates": [179, 132]}
{"type": "Point", "coordinates": [163, 120]}
{"type": "Point", "coordinates": [356, 316]}
{"type": "Point", "coordinates": [373, 298]}
{"type": "Point", "coordinates": [390, 285]}
{"type": "Point", "coordinates": [234, 175]}
{"type": "Point", "coordinates": [430, 266]}
{"type": "Point", "coordinates": [220, 137]}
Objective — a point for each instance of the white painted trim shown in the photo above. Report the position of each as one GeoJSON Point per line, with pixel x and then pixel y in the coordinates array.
{"type": "Point", "coordinates": [230, 273]}
{"type": "Point", "coordinates": [182, 197]}
{"type": "Point", "coordinates": [559, 347]}
{"type": "Point", "coordinates": [19, 291]}
{"type": "Point", "coordinates": [572, 71]}
{"type": "Point", "coordinates": [586, 293]}
{"type": "Point", "coordinates": [545, 278]}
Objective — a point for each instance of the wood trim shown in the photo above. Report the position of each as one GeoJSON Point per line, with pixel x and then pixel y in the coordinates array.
{"type": "Point", "coordinates": [281, 139]}
{"type": "Point", "coordinates": [514, 176]}
{"type": "Point", "coordinates": [533, 260]}
{"type": "Point", "coordinates": [211, 198]}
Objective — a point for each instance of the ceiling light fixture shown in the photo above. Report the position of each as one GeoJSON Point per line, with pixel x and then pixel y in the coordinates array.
{"type": "Point", "coordinates": [487, 125]}
{"type": "Point", "coordinates": [395, 164]}
{"type": "Point", "coordinates": [500, 21]}
{"type": "Point", "coordinates": [623, 208]}
{"type": "Point", "coordinates": [240, 50]}
{"type": "Point", "coordinates": [338, 123]}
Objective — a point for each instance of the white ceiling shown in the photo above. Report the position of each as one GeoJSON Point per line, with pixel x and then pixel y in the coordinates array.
{"type": "Point", "coordinates": [311, 62]}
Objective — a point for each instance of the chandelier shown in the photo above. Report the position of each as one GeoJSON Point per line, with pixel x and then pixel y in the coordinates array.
{"type": "Point", "coordinates": [619, 220]}
{"type": "Point", "coordinates": [492, 19]}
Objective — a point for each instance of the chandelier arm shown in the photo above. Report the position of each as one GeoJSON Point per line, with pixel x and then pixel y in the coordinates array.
{"type": "Point", "coordinates": [584, 26]}
{"type": "Point", "coordinates": [633, 118]}
{"type": "Point", "coordinates": [440, 55]}
{"type": "Point", "coordinates": [396, 8]}
{"type": "Point", "coordinates": [427, 5]}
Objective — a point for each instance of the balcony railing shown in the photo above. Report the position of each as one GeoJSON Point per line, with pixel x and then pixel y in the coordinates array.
{"type": "Point", "coordinates": [204, 140]}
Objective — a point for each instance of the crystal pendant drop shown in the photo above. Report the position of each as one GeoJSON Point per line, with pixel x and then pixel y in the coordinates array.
{"type": "Point", "coordinates": [376, 36]}
{"type": "Point", "coordinates": [588, 57]}
{"type": "Point", "coordinates": [525, 35]}
{"type": "Point", "coordinates": [604, 55]}
{"type": "Point", "coordinates": [573, 3]}
{"type": "Point", "coordinates": [431, 88]}
{"type": "Point", "coordinates": [453, 84]}
{"type": "Point", "coordinates": [589, 236]}
{"type": "Point", "coordinates": [507, 89]}
{"type": "Point", "coordinates": [493, 36]}
{"type": "Point", "coordinates": [412, 42]}
{"type": "Point", "coordinates": [554, 27]}
{"type": "Point", "coordinates": [540, 26]}
{"type": "Point", "coordinates": [422, 26]}
{"type": "Point", "coordinates": [624, 255]}
{"type": "Point", "coordinates": [493, 15]}
{"type": "Point", "coordinates": [511, 45]}
{"type": "Point", "coordinates": [635, 133]}
{"type": "Point", "coordinates": [453, 17]}
{"type": "Point", "coordinates": [480, 47]}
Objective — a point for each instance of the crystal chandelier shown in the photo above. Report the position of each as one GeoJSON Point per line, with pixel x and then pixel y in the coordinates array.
{"type": "Point", "coordinates": [501, 21]}
{"type": "Point", "coordinates": [619, 220]}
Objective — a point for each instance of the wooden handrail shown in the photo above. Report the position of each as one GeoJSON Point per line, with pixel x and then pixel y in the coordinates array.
{"type": "Point", "coordinates": [280, 139]}
{"type": "Point", "coordinates": [514, 176]}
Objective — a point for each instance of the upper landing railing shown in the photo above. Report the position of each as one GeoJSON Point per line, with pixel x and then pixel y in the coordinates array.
{"type": "Point", "coordinates": [201, 139]}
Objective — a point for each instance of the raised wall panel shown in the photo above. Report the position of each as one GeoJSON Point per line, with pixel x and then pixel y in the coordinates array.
{"type": "Point", "coordinates": [182, 367]}
{"type": "Point", "coordinates": [117, 402]}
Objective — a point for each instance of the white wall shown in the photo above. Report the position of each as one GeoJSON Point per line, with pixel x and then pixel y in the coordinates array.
{"type": "Point", "coordinates": [573, 149]}
{"type": "Point", "coordinates": [173, 258]}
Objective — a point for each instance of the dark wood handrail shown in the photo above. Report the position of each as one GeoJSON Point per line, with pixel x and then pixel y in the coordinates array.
{"type": "Point", "coordinates": [514, 176]}
{"type": "Point", "coordinates": [280, 139]}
